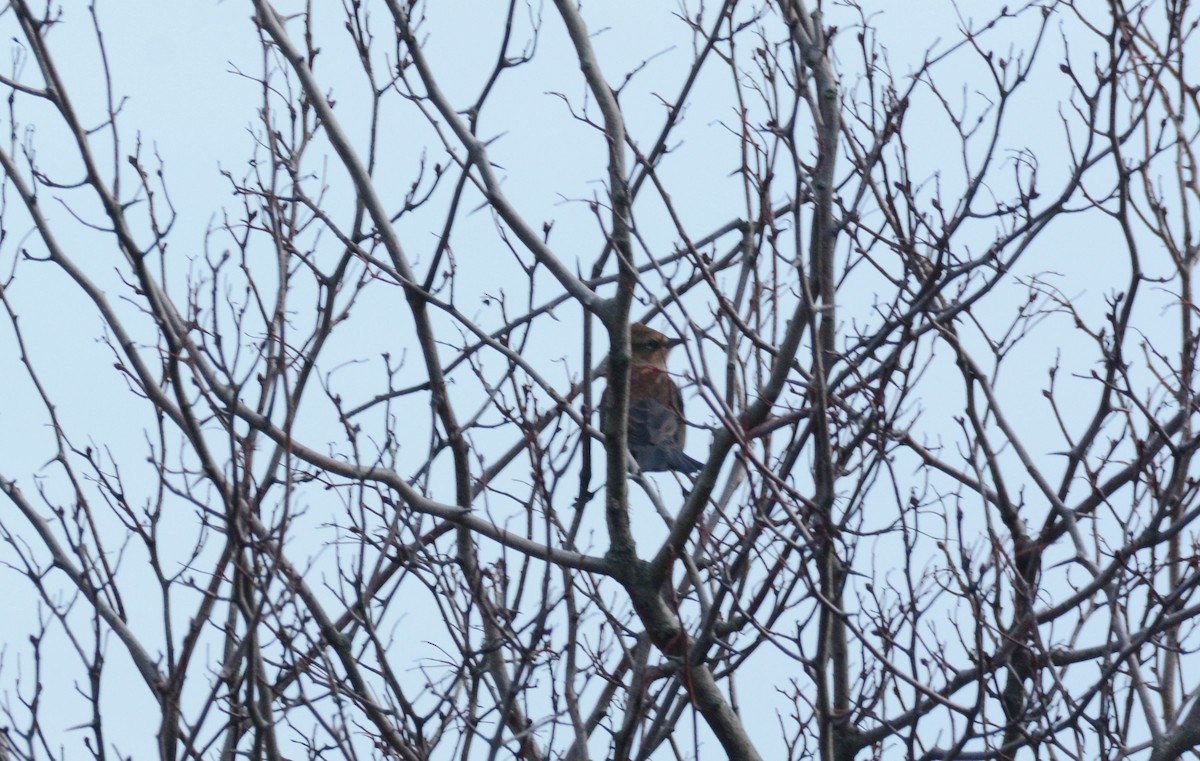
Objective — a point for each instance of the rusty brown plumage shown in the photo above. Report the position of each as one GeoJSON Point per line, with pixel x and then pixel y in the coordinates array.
{"type": "Point", "coordinates": [657, 429]}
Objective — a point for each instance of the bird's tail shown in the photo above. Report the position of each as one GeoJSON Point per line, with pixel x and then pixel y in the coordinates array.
{"type": "Point", "coordinates": [680, 461]}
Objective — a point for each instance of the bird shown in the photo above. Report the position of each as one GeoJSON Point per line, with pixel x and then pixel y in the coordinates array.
{"type": "Point", "coordinates": [657, 430]}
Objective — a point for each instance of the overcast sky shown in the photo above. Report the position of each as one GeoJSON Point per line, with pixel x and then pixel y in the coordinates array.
{"type": "Point", "coordinates": [177, 66]}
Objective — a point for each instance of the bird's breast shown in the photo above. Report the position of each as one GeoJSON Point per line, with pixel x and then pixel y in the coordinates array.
{"type": "Point", "coordinates": [651, 383]}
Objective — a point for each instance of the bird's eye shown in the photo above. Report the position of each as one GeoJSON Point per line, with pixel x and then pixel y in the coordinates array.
{"type": "Point", "coordinates": [653, 345]}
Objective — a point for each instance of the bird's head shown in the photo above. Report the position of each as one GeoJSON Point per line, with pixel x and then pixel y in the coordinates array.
{"type": "Point", "coordinates": [649, 347]}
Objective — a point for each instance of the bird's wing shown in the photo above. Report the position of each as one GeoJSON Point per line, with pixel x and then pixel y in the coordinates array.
{"type": "Point", "coordinates": [655, 436]}
{"type": "Point", "coordinates": [681, 426]}
{"type": "Point", "coordinates": [653, 424]}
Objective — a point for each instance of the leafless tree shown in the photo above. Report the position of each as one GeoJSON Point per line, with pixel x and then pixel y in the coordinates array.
{"type": "Point", "coordinates": [334, 485]}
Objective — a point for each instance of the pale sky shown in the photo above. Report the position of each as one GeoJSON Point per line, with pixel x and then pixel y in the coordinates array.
{"type": "Point", "coordinates": [177, 63]}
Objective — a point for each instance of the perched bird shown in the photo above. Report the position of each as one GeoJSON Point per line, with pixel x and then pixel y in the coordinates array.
{"type": "Point", "coordinates": [656, 426]}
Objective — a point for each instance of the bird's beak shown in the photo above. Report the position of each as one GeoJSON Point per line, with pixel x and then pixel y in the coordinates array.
{"type": "Point", "coordinates": [671, 343]}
